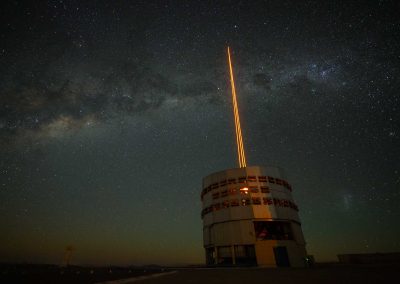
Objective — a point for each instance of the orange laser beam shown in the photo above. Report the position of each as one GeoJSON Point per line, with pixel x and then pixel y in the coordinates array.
{"type": "Point", "coordinates": [239, 139]}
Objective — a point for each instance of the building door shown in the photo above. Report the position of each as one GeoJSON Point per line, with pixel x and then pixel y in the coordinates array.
{"type": "Point", "coordinates": [281, 257]}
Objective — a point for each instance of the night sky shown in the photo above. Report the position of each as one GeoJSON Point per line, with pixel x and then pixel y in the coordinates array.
{"type": "Point", "coordinates": [113, 111]}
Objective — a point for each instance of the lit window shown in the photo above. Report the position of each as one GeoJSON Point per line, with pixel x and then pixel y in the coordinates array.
{"type": "Point", "coordinates": [256, 200]}
{"type": "Point", "coordinates": [245, 201]}
{"type": "Point", "coordinates": [234, 202]}
{"type": "Point", "coordinates": [264, 189]}
{"type": "Point", "coordinates": [244, 190]}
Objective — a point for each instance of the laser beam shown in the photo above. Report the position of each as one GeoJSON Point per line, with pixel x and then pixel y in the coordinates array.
{"type": "Point", "coordinates": [239, 139]}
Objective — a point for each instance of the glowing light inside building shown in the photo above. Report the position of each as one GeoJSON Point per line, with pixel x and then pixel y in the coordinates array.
{"type": "Point", "coordinates": [239, 139]}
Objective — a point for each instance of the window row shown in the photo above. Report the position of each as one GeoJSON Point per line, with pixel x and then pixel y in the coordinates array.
{"type": "Point", "coordinates": [273, 230]}
{"type": "Point", "coordinates": [245, 180]}
{"type": "Point", "coordinates": [249, 201]}
{"type": "Point", "coordinates": [242, 191]}
{"type": "Point", "coordinates": [223, 255]}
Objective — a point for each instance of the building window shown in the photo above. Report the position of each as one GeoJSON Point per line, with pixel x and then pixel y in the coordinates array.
{"type": "Point", "coordinates": [222, 183]}
{"type": "Point", "coordinates": [252, 178]}
{"type": "Point", "coordinates": [215, 195]}
{"type": "Point", "coordinates": [232, 191]}
{"type": "Point", "coordinates": [273, 230]}
{"type": "Point", "coordinates": [242, 179]}
{"type": "Point", "coordinates": [267, 201]}
{"type": "Point", "coordinates": [253, 189]}
{"type": "Point", "coordinates": [245, 201]}
{"type": "Point", "coordinates": [224, 193]}
{"type": "Point", "coordinates": [232, 181]}
{"type": "Point", "coordinates": [244, 190]}
{"type": "Point", "coordinates": [224, 255]}
{"type": "Point", "coordinates": [256, 200]}
{"type": "Point", "coordinates": [234, 202]}
{"type": "Point", "coordinates": [271, 180]}
{"type": "Point", "coordinates": [214, 185]}
{"type": "Point", "coordinates": [278, 202]}
{"type": "Point", "coordinates": [293, 206]}
{"type": "Point", "coordinates": [262, 178]}
{"type": "Point", "coordinates": [216, 206]}
{"type": "Point", "coordinates": [264, 189]}
{"type": "Point", "coordinates": [245, 255]}
{"type": "Point", "coordinates": [210, 256]}
{"type": "Point", "coordinates": [278, 181]}
{"type": "Point", "coordinates": [225, 204]}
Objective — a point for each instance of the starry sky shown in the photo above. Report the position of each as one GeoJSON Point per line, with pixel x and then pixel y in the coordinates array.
{"type": "Point", "coordinates": [113, 111]}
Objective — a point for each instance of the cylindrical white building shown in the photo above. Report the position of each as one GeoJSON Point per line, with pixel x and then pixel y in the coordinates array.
{"type": "Point", "coordinates": [250, 218]}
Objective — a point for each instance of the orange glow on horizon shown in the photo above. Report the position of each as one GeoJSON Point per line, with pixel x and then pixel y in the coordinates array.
{"type": "Point", "coordinates": [239, 139]}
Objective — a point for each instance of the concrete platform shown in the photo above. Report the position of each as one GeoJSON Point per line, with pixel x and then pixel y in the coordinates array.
{"type": "Point", "coordinates": [325, 274]}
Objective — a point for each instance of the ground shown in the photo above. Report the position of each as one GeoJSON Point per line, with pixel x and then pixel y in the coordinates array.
{"type": "Point", "coordinates": [320, 273]}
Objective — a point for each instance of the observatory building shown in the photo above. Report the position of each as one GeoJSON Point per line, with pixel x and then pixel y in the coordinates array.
{"type": "Point", "coordinates": [249, 215]}
{"type": "Point", "coordinates": [250, 218]}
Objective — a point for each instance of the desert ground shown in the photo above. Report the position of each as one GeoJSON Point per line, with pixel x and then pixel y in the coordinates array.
{"type": "Point", "coordinates": [319, 273]}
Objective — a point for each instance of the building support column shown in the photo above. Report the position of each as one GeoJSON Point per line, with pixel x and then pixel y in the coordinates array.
{"type": "Point", "coordinates": [233, 255]}
{"type": "Point", "coordinates": [216, 255]}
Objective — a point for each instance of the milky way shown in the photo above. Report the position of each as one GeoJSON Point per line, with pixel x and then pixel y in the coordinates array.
{"type": "Point", "coordinates": [113, 112]}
